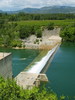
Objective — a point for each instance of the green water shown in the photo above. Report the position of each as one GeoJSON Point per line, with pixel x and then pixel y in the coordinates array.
{"type": "Point", "coordinates": [61, 72]}
{"type": "Point", "coordinates": [21, 58]}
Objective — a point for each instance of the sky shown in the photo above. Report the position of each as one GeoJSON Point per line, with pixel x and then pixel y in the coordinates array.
{"type": "Point", "coordinates": [20, 4]}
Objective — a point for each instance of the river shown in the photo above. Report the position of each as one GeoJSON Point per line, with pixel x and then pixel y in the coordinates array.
{"type": "Point", "coordinates": [61, 72]}
{"type": "Point", "coordinates": [21, 58]}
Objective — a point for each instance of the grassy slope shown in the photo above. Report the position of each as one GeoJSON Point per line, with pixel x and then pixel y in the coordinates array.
{"type": "Point", "coordinates": [45, 22]}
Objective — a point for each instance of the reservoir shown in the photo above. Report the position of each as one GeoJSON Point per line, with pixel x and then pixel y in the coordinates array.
{"type": "Point", "coordinates": [21, 58]}
{"type": "Point", "coordinates": [61, 71]}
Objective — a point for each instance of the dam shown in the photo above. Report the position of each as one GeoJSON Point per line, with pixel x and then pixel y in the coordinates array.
{"type": "Point", "coordinates": [33, 76]}
{"type": "Point", "coordinates": [6, 65]}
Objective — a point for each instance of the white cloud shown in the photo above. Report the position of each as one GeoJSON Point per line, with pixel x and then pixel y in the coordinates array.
{"type": "Point", "coordinates": [19, 4]}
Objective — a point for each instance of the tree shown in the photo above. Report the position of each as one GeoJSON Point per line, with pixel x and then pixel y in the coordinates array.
{"type": "Point", "coordinates": [50, 26]}
{"type": "Point", "coordinates": [24, 31]}
{"type": "Point", "coordinates": [2, 23]}
{"type": "Point", "coordinates": [39, 33]}
{"type": "Point", "coordinates": [68, 34]}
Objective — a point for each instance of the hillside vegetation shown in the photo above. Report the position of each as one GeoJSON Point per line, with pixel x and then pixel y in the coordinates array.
{"type": "Point", "coordinates": [16, 27]}
{"type": "Point", "coordinates": [68, 33]}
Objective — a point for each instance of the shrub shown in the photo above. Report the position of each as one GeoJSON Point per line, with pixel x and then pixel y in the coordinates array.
{"type": "Point", "coordinates": [9, 90]}
{"type": "Point", "coordinates": [68, 34]}
{"type": "Point", "coordinates": [16, 43]}
{"type": "Point", "coordinates": [39, 33]}
{"type": "Point", "coordinates": [50, 26]}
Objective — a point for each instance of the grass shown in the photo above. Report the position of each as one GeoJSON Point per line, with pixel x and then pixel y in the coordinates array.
{"type": "Point", "coordinates": [46, 22]}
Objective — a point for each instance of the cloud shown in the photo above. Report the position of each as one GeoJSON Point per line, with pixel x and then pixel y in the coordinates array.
{"type": "Point", "coordinates": [20, 4]}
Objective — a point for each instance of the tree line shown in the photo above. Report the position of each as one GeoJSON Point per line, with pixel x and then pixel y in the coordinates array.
{"type": "Point", "coordinates": [24, 16]}
{"type": "Point", "coordinates": [68, 33]}
{"type": "Point", "coordinates": [12, 33]}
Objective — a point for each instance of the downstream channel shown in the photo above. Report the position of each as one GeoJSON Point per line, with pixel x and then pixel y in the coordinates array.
{"type": "Point", "coordinates": [61, 72]}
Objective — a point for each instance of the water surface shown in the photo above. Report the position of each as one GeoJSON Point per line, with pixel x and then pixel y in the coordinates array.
{"type": "Point", "coordinates": [61, 72]}
{"type": "Point", "coordinates": [21, 58]}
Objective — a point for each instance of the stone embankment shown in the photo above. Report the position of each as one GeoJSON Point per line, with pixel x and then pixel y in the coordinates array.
{"type": "Point", "coordinates": [48, 40]}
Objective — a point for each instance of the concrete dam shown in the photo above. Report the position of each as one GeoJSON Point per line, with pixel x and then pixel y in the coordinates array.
{"type": "Point", "coordinates": [33, 76]}
{"type": "Point", "coordinates": [6, 65]}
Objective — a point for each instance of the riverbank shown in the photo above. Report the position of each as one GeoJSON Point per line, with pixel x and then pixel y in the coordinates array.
{"type": "Point", "coordinates": [49, 39]}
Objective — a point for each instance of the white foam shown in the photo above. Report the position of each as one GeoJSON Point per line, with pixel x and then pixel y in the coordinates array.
{"type": "Point", "coordinates": [37, 68]}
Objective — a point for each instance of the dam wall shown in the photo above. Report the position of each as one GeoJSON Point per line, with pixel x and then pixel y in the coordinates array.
{"type": "Point", "coordinates": [45, 68]}
{"type": "Point", "coordinates": [39, 66]}
{"type": "Point", "coordinates": [34, 75]}
{"type": "Point", "coordinates": [6, 65]}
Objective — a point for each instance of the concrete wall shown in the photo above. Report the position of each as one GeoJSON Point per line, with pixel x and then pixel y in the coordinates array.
{"type": "Point", "coordinates": [6, 66]}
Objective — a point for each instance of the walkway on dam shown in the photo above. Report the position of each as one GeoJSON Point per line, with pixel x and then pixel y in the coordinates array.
{"type": "Point", "coordinates": [28, 80]}
{"type": "Point", "coordinates": [33, 76]}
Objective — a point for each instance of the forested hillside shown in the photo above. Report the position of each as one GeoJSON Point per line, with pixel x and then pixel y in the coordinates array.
{"type": "Point", "coordinates": [24, 16]}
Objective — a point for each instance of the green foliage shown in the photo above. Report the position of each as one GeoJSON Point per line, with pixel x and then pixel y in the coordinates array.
{"type": "Point", "coordinates": [39, 33]}
{"type": "Point", "coordinates": [1, 23]}
{"type": "Point", "coordinates": [50, 26]}
{"type": "Point", "coordinates": [9, 90]}
{"type": "Point", "coordinates": [62, 97]}
{"type": "Point", "coordinates": [37, 41]}
{"type": "Point", "coordinates": [16, 43]}
{"type": "Point", "coordinates": [68, 33]}
{"type": "Point", "coordinates": [9, 36]}
{"type": "Point", "coordinates": [14, 27]}
{"type": "Point", "coordinates": [6, 40]}
{"type": "Point", "coordinates": [23, 16]}
{"type": "Point", "coordinates": [26, 30]}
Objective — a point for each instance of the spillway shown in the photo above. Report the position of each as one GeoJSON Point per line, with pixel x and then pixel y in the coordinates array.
{"type": "Point", "coordinates": [33, 77]}
{"type": "Point", "coordinates": [37, 68]}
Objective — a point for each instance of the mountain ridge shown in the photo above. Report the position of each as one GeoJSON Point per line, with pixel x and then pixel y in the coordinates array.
{"type": "Point", "coordinates": [45, 10]}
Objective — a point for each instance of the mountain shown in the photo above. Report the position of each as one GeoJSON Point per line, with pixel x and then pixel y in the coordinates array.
{"type": "Point", "coordinates": [58, 9]}
{"type": "Point", "coordinates": [1, 11]}
{"type": "Point", "coordinates": [25, 10]}
{"type": "Point", "coordinates": [51, 9]}
{"type": "Point", "coordinates": [29, 10]}
{"type": "Point", "coordinates": [45, 10]}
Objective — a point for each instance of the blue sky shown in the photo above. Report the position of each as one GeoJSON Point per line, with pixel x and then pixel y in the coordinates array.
{"type": "Point", "coordinates": [20, 4]}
